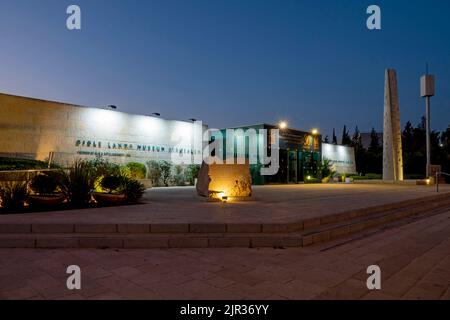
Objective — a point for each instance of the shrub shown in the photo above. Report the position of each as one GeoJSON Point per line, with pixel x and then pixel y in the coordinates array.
{"type": "Point", "coordinates": [135, 170]}
{"type": "Point", "coordinates": [374, 176]}
{"type": "Point", "coordinates": [21, 164]}
{"type": "Point", "coordinates": [178, 177]}
{"type": "Point", "coordinates": [162, 173]}
{"type": "Point", "coordinates": [13, 195]}
{"type": "Point", "coordinates": [78, 182]}
{"type": "Point", "coordinates": [325, 169]}
{"type": "Point", "coordinates": [166, 168]}
{"type": "Point", "coordinates": [154, 172]}
{"type": "Point", "coordinates": [100, 167]}
{"type": "Point", "coordinates": [191, 173]}
{"type": "Point", "coordinates": [111, 183]}
{"type": "Point", "coordinates": [132, 189]}
{"type": "Point", "coordinates": [313, 180]}
{"type": "Point", "coordinates": [44, 184]}
{"type": "Point", "coordinates": [369, 176]}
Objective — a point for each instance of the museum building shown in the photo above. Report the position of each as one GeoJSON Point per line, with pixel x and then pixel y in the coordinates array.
{"type": "Point", "coordinates": [42, 130]}
{"type": "Point", "coordinates": [61, 133]}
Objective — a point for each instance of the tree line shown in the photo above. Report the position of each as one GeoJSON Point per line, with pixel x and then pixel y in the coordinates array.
{"type": "Point", "coordinates": [369, 159]}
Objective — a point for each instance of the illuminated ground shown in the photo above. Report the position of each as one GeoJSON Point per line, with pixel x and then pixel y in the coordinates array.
{"type": "Point", "coordinates": [270, 204]}
{"type": "Point", "coordinates": [414, 261]}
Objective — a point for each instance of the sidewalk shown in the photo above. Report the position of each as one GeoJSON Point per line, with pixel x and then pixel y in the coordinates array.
{"type": "Point", "coordinates": [414, 261]}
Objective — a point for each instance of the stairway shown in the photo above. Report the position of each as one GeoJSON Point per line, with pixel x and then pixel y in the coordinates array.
{"type": "Point", "coordinates": [299, 234]}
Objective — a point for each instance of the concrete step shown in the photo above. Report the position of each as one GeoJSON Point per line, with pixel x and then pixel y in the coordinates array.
{"type": "Point", "coordinates": [186, 240]}
{"type": "Point", "coordinates": [359, 224]}
{"type": "Point", "coordinates": [303, 238]}
{"type": "Point", "coordinates": [233, 228]}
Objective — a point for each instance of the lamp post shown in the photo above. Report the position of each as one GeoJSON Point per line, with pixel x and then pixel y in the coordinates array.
{"type": "Point", "coordinates": [427, 90]}
{"type": "Point", "coordinates": [314, 133]}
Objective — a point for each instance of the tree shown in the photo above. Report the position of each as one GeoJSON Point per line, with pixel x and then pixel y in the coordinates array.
{"type": "Point", "coordinates": [360, 152]}
{"type": "Point", "coordinates": [408, 138]}
{"type": "Point", "coordinates": [356, 139]}
{"type": "Point", "coordinates": [192, 171]}
{"type": "Point", "coordinates": [374, 156]}
{"type": "Point", "coordinates": [334, 137]}
{"type": "Point", "coordinates": [415, 149]}
{"type": "Point", "coordinates": [374, 145]}
{"type": "Point", "coordinates": [154, 172]}
{"type": "Point", "coordinates": [166, 168]}
{"type": "Point", "coordinates": [445, 142]}
{"type": "Point", "coordinates": [345, 137]}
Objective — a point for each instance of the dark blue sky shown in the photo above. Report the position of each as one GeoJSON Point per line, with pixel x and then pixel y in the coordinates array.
{"type": "Point", "coordinates": [231, 62]}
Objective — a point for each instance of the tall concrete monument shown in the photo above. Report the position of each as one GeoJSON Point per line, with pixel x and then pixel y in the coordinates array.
{"type": "Point", "coordinates": [392, 137]}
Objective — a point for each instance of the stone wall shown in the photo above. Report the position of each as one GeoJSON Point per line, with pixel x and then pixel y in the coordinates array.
{"type": "Point", "coordinates": [342, 158]}
{"type": "Point", "coordinates": [233, 180]}
{"type": "Point", "coordinates": [33, 128]}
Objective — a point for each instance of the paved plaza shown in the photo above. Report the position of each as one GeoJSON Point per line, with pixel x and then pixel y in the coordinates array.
{"type": "Point", "coordinates": [414, 259]}
{"type": "Point", "coordinates": [269, 204]}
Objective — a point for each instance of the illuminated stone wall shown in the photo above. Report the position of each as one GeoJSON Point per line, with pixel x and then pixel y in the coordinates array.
{"type": "Point", "coordinates": [232, 180]}
{"type": "Point", "coordinates": [341, 158]}
{"type": "Point", "coordinates": [34, 128]}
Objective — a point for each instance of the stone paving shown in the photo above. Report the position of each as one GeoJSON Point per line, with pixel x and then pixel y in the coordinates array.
{"type": "Point", "coordinates": [269, 204]}
{"type": "Point", "coordinates": [414, 260]}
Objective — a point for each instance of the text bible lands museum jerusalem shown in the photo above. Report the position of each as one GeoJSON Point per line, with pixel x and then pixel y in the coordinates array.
{"type": "Point", "coordinates": [38, 129]}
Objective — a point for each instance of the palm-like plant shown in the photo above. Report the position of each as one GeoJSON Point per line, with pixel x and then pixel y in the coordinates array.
{"type": "Point", "coordinates": [132, 189]}
{"type": "Point", "coordinates": [13, 195]}
{"type": "Point", "coordinates": [77, 182]}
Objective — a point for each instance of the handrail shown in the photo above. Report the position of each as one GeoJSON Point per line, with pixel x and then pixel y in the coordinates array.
{"type": "Point", "coordinates": [438, 174]}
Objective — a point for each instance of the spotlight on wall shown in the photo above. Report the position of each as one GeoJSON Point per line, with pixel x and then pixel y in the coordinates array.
{"type": "Point", "coordinates": [283, 125]}
{"type": "Point", "coordinates": [193, 119]}
{"type": "Point", "coordinates": [156, 114]}
{"type": "Point", "coordinates": [112, 107]}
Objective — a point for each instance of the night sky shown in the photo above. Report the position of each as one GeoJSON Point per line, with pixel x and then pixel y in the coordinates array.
{"type": "Point", "coordinates": [230, 63]}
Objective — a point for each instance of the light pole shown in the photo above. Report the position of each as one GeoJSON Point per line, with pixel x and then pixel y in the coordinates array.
{"type": "Point", "coordinates": [427, 90]}
{"type": "Point", "coordinates": [314, 134]}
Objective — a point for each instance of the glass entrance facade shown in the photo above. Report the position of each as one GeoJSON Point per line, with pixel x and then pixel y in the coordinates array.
{"type": "Point", "coordinates": [300, 154]}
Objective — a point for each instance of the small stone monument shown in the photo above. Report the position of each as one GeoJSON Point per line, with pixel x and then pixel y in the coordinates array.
{"type": "Point", "coordinates": [224, 180]}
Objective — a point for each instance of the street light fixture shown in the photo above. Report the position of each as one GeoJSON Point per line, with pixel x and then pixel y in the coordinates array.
{"type": "Point", "coordinates": [427, 90]}
{"type": "Point", "coordinates": [315, 132]}
{"type": "Point", "coordinates": [283, 125]}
